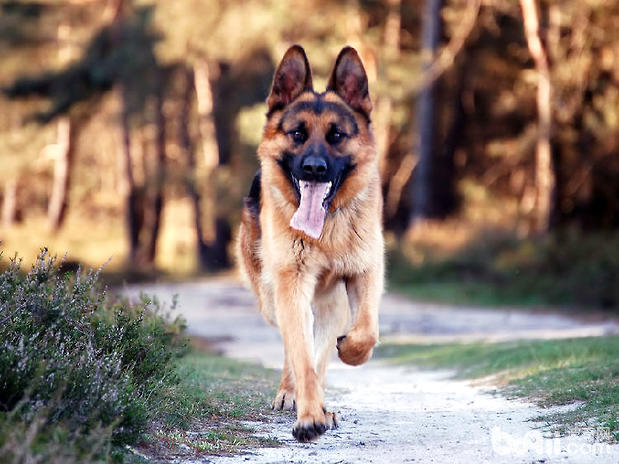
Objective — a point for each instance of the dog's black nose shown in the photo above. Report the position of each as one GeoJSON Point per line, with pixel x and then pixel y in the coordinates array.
{"type": "Point", "coordinates": [314, 165]}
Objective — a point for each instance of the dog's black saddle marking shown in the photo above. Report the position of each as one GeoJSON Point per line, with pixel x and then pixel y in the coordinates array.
{"type": "Point", "coordinates": [252, 200]}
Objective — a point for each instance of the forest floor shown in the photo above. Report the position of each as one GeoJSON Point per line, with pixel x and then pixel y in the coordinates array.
{"type": "Point", "coordinates": [399, 413]}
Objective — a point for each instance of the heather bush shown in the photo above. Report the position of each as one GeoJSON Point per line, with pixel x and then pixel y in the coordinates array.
{"type": "Point", "coordinates": [80, 371]}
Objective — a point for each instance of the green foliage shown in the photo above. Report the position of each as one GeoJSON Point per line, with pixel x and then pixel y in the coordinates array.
{"type": "Point", "coordinates": [102, 65]}
{"type": "Point", "coordinates": [75, 365]}
{"type": "Point", "coordinates": [497, 268]}
{"type": "Point", "coordinates": [551, 372]}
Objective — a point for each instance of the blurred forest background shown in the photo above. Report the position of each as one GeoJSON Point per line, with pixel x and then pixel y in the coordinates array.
{"type": "Point", "coordinates": [128, 129]}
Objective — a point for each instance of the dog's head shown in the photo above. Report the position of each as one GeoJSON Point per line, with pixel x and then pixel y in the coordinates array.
{"type": "Point", "coordinates": [318, 148]}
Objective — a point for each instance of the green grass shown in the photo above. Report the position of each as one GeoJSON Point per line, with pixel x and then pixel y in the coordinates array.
{"type": "Point", "coordinates": [474, 293]}
{"type": "Point", "coordinates": [550, 372]}
{"type": "Point", "coordinates": [204, 413]}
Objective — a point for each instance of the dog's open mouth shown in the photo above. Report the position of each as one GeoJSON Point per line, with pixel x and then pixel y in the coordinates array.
{"type": "Point", "coordinates": [314, 201]}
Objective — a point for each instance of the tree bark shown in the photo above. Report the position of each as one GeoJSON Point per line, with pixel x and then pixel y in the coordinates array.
{"type": "Point", "coordinates": [422, 186]}
{"type": "Point", "coordinates": [65, 145]}
{"type": "Point", "coordinates": [59, 198]}
{"type": "Point", "coordinates": [544, 170]}
{"type": "Point", "coordinates": [206, 169]}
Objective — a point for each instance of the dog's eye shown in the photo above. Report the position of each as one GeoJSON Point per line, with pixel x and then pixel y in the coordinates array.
{"type": "Point", "coordinates": [299, 136]}
{"type": "Point", "coordinates": [335, 136]}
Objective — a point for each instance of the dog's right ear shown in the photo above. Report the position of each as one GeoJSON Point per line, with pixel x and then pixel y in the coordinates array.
{"type": "Point", "coordinates": [293, 76]}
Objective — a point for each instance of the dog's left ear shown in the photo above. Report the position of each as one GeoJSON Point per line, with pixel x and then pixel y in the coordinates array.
{"type": "Point", "coordinates": [349, 80]}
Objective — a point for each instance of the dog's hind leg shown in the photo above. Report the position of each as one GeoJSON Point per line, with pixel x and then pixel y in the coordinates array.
{"type": "Point", "coordinates": [331, 317]}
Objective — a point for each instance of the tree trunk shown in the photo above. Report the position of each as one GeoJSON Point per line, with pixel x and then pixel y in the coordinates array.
{"type": "Point", "coordinates": [133, 216]}
{"type": "Point", "coordinates": [191, 178]}
{"type": "Point", "coordinates": [58, 200]}
{"type": "Point", "coordinates": [133, 198]}
{"type": "Point", "coordinates": [423, 185]}
{"type": "Point", "coordinates": [207, 169]}
{"type": "Point", "coordinates": [9, 203]}
{"type": "Point", "coordinates": [384, 104]}
{"type": "Point", "coordinates": [544, 170]}
{"type": "Point", "coordinates": [65, 144]}
{"type": "Point", "coordinates": [153, 188]}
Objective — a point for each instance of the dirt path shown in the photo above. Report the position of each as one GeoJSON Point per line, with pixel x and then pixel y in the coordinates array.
{"type": "Point", "coordinates": [396, 414]}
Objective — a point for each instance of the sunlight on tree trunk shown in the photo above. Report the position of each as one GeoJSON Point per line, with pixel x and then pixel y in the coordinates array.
{"type": "Point", "coordinates": [9, 203]}
{"type": "Point", "coordinates": [63, 156]}
{"type": "Point", "coordinates": [212, 253]}
{"type": "Point", "coordinates": [544, 171]}
{"type": "Point", "coordinates": [191, 179]}
{"type": "Point", "coordinates": [65, 145]}
{"type": "Point", "coordinates": [206, 170]}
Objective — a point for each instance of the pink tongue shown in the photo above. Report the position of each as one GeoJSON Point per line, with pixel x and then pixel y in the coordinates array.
{"type": "Point", "coordinates": [310, 216]}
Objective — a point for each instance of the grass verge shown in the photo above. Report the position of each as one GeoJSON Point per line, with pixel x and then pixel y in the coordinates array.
{"type": "Point", "coordinates": [550, 372]}
{"type": "Point", "coordinates": [206, 412]}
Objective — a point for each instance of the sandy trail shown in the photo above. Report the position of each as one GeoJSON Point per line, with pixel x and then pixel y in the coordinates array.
{"type": "Point", "coordinates": [398, 414]}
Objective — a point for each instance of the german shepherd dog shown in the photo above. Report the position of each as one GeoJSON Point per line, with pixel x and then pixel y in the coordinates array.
{"type": "Point", "coordinates": [310, 239]}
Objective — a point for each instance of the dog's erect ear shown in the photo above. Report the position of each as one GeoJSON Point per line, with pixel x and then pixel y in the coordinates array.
{"type": "Point", "coordinates": [349, 81]}
{"type": "Point", "coordinates": [292, 77]}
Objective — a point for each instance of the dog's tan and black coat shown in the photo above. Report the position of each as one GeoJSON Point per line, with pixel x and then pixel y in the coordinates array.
{"type": "Point", "coordinates": [310, 240]}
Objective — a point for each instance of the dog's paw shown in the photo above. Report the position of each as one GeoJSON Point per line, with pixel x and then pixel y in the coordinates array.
{"type": "Point", "coordinates": [284, 401]}
{"type": "Point", "coordinates": [306, 430]}
{"type": "Point", "coordinates": [355, 347]}
{"type": "Point", "coordinates": [332, 420]}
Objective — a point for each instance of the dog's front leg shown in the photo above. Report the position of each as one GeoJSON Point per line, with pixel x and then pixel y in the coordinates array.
{"type": "Point", "coordinates": [294, 291]}
{"type": "Point", "coordinates": [284, 400]}
{"type": "Point", "coordinates": [365, 289]}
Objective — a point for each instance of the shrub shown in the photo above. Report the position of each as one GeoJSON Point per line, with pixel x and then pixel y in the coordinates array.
{"type": "Point", "coordinates": [79, 371]}
{"type": "Point", "coordinates": [565, 267]}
